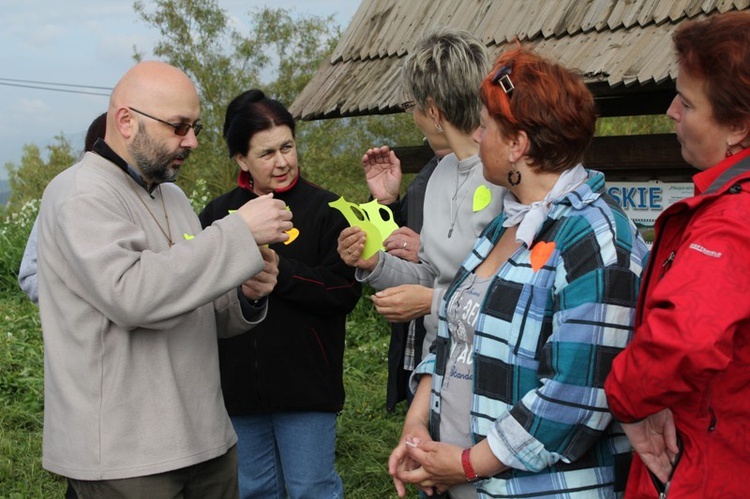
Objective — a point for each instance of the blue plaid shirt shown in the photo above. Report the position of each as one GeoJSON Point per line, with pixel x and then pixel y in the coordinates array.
{"type": "Point", "coordinates": [553, 319]}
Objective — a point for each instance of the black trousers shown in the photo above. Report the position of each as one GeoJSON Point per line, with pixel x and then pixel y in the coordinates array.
{"type": "Point", "coordinates": [215, 478]}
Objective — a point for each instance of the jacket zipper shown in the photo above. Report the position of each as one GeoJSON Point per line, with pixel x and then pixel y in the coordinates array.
{"type": "Point", "coordinates": [667, 263]}
{"type": "Point", "coordinates": [712, 424]}
{"type": "Point", "coordinates": [665, 490]}
{"type": "Point", "coordinates": [651, 268]}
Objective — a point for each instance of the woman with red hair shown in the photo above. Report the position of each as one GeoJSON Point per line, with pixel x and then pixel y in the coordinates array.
{"type": "Point", "coordinates": [511, 403]}
{"type": "Point", "coordinates": [683, 384]}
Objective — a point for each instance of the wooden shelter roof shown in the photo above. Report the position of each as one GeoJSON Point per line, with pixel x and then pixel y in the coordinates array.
{"type": "Point", "coordinates": [623, 47]}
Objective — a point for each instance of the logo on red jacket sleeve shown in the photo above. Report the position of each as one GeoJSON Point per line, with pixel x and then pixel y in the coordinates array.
{"type": "Point", "coordinates": [697, 247]}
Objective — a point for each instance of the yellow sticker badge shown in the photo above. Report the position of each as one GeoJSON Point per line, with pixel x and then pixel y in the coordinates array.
{"type": "Point", "coordinates": [482, 198]}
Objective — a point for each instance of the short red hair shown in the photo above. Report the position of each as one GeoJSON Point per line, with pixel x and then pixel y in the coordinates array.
{"type": "Point", "coordinates": [549, 102]}
{"type": "Point", "coordinates": [717, 50]}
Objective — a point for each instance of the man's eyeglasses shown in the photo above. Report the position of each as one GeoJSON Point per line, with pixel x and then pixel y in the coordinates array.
{"type": "Point", "coordinates": [180, 129]}
{"type": "Point", "coordinates": [502, 78]}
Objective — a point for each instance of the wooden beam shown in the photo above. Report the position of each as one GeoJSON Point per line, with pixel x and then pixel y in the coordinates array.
{"type": "Point", "coordinates": [413, 158]}
{"type": "Point", "coordinates": [633, 157]}
{"type": "Point", "coordinates": [635, 104]}
{"type": "Point", "coordinates": [639, 157]}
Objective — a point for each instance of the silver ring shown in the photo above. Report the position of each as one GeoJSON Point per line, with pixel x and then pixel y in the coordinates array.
{"type": "Point", "coordinates": [404, 244]}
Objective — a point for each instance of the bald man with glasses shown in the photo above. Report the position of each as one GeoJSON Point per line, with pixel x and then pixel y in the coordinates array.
{"type": "Point", "coordinates": [133, 295]}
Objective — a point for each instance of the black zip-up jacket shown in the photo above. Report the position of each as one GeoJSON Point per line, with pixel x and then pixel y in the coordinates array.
{"type": "Point", "coordinates": [293, 360]}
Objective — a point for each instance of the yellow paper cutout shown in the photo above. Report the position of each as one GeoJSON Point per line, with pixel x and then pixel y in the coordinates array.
{"type": "Point", "coordinates": [293, 234]}
{"type": "Point", "coordinates": [380, 216]}
{"type": "Point", "coordinates": [358, 217]}
{"type": "Point", "coordinates": [482, 198]}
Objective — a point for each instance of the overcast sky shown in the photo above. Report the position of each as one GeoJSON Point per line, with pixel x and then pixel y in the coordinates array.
{"type": "Point", "coordinates": [86, 42]}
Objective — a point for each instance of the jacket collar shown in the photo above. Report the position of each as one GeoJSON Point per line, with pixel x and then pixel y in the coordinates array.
{"type": "Point", "coordinates": [245, 181]}
{"type": "Point", "coordinates": [102, 149]}
{"type": "Point", "coordinates": [712, 180]}
{"type": "Point", "coordinates": [586, 193]}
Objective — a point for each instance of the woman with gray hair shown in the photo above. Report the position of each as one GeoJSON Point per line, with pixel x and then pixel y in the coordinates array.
{"type": "Point", "coordinates": [440, 82]}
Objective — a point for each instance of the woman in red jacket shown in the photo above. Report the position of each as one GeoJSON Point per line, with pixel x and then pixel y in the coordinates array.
{"type": "Point", "coordinates": [682, 386]}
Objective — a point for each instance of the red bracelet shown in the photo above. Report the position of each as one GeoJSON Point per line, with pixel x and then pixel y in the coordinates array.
{"type": "Point", "coordinates": [471, 475]}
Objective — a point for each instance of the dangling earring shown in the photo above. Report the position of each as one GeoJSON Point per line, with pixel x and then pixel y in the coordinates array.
{"type": "Point", "coordinates": [729, 150]}
{"type": "Point", "coordinates": [438, 128]}
{"type": "Point", "coordinates": [514, 176]}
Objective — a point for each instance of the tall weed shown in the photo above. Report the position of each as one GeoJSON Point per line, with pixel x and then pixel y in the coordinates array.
{"type": "Point", "coordinates": [21, 402]}
{"type": "Point", "coordinates": [14, 230]}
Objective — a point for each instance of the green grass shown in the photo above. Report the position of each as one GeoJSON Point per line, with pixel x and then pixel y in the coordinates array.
{"type": "Point", "coordinates": [366, 432]}
{"type": "Point", "coordinates": [21, 403]}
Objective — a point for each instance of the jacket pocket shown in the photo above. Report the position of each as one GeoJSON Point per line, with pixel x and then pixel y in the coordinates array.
{"type": "Point", "coordinates": [662, 488]}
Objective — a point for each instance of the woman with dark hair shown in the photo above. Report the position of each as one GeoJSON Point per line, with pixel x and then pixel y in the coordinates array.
{"type": "Point", "coordinates": [96, 131]}
{"type": "Point", "coordinates": [683, 384]}
{"type": "Point", "coordinates": [511, 403]}
{"type": "Point", "coordinates": [283, 381]}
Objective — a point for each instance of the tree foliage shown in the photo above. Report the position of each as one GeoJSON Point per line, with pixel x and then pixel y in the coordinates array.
{"type": "Point", "coordinates": [195, 35]}
{"type": "Point", "coordinates": [634, 125]}
{"type": "Point", "coordinates": [28, 179]}
{"type": "Point", "coordinates": [279, 54]}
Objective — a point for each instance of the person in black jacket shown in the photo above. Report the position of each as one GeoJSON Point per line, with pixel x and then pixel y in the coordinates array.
{"type": "Point", "coordinates": [383, 174]}
{"type": "Point", "coordinates": [283, 381]}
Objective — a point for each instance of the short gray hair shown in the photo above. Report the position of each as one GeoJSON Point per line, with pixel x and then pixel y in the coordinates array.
{"type": "Point", "coordinates": [447, 65]}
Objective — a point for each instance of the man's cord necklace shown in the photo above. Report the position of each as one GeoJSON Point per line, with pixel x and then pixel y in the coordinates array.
{"type": "Point", "coordinates": [167, 233]}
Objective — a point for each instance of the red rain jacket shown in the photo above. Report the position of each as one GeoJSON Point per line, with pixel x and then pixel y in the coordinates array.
{"type": "Point", "coordinates": [691, 347]}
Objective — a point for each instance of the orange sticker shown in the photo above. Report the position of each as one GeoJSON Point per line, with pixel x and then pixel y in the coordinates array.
{"type": "Point", "coordinates": [540, 253]}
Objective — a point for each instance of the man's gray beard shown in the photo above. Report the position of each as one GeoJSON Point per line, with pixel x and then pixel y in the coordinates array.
{"type": "Point", "coordinates": [153, 160]}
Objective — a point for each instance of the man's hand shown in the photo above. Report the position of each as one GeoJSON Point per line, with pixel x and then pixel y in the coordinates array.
{"type": "Point", "coordinates": [383, 174]}
{"type": "Point", "coordinates": [655, 441]}
{"type": "Point", "coordinates": [262, 283]}
{"type": "Point", "coordinates": [267, 218]}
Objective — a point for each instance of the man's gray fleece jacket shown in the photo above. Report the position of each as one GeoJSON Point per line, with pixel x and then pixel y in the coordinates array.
{"type": "Point", "coordinates": [130, 324]}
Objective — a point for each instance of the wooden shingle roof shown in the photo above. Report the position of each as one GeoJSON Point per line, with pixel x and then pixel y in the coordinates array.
{"type": "Point", "coordinates": [623, 47]}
